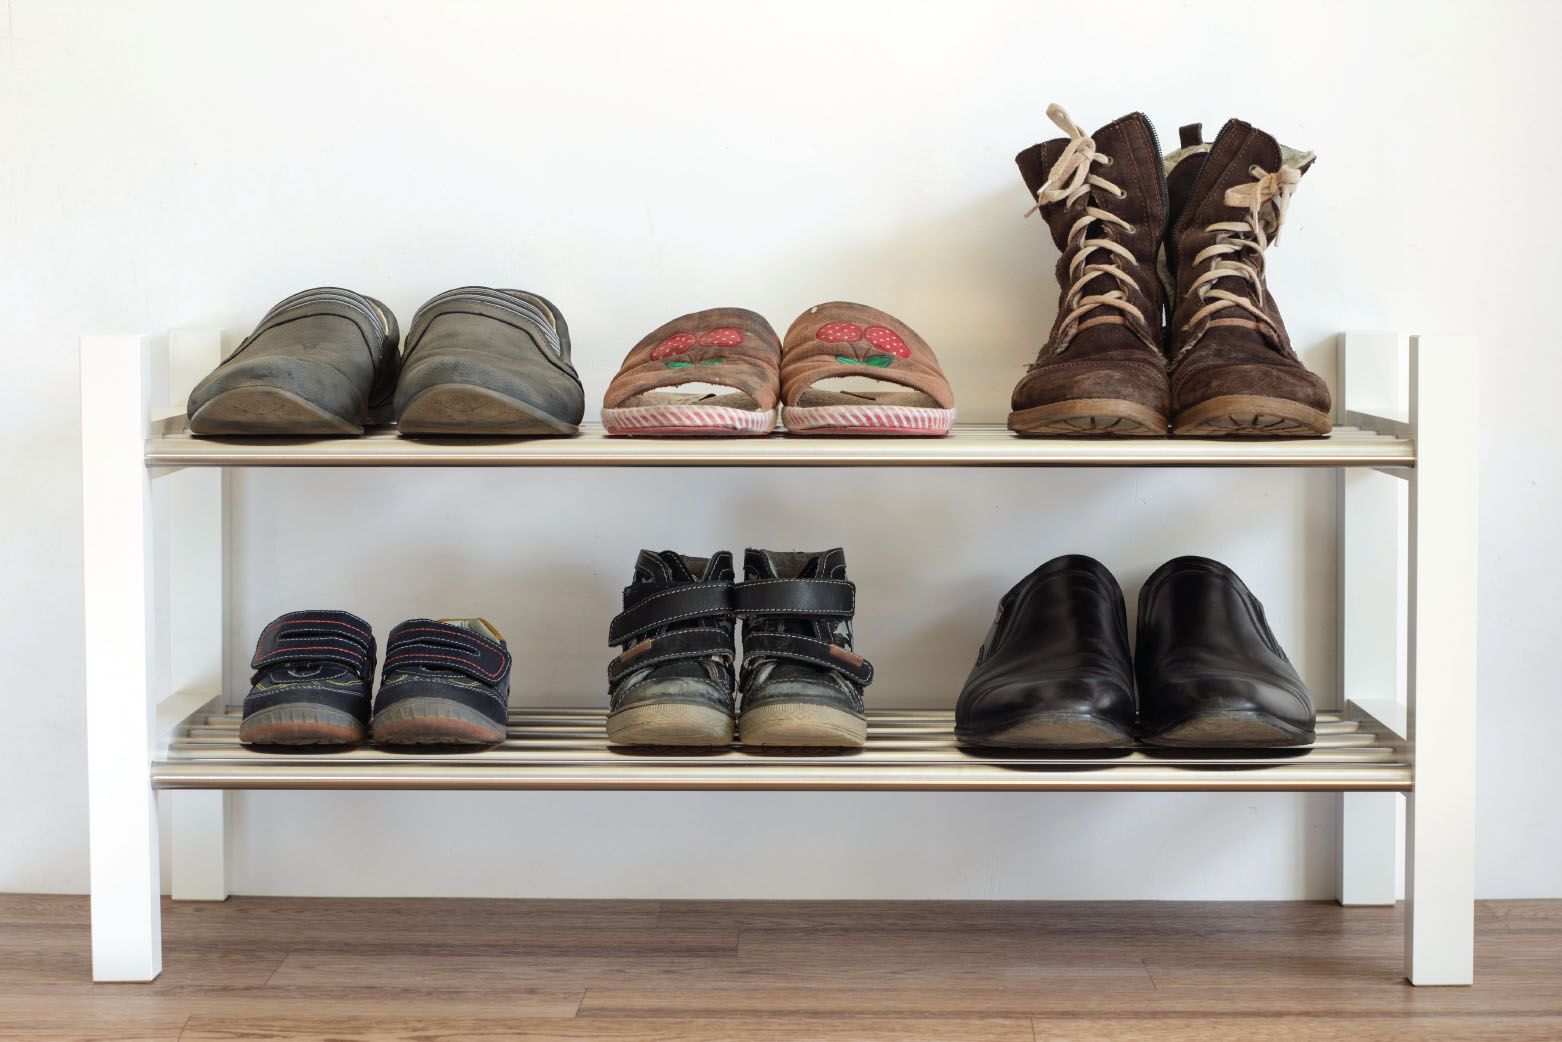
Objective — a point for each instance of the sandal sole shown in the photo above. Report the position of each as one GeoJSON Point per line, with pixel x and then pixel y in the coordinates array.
{"type": "Point", "coordinates": [802, 726]}
{"type": "Point", "coordinates": [676, 724]}
{"type": "Point", "coordinates": [263, 409]}
{"type": "Point", "coordinates": [1086, 417]}
{"type": "Point", "coordinates": [434, 721]}
{"type": "Point", "coordinates": [694, 421]}
{"type": "Point", "coordinates": [1252, 416]}
{"type": "Point", "coordinates": [870, 420]}
{"type": "Point", "coordinates": [301, 724]}
{"type": "Point", "coordinates": [470, 410]}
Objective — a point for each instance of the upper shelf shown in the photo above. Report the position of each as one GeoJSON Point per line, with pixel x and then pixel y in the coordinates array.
{"type": "Point", "coordinates": [970, 445]}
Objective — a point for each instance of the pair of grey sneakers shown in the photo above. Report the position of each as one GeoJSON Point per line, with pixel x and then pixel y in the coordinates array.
{"type": "Point", "coordinates": [328, 361]}
{"type": "Point", "coordinates": [678, 679]}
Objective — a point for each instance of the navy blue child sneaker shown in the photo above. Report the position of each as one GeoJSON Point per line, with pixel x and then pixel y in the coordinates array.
{"type": "Point", "coordinates": [446, 681]}
{"type": "Point", "coordinates": [313, 672]}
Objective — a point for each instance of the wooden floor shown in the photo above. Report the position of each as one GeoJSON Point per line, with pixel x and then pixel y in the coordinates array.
{"type": "Point", "coordinates": [453, 971]}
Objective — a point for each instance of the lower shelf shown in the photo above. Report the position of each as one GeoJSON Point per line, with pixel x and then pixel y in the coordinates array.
{"type": "Point", "coordinates": [907, 750]}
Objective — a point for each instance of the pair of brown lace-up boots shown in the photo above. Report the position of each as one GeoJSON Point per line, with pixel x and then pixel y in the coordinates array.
{"type": "Point", "coordinates": [1165, 322]}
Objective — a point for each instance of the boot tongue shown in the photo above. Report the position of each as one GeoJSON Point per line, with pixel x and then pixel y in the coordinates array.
{"type": "Point", "coordinates": [661, 567]}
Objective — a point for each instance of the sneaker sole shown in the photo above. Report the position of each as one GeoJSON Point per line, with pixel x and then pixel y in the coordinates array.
{"type": "Point", "coordinates": [1050, 731]}
{"type": "Point", "coordinates": [1252, 416]}
{"type": "Point", "coordinates": [434, 721]}
{"type": "Point", "coordinates": [267, 410]}
{"type": "Point", "coordinates": [301, 724]}
{"type": "Point", "coordinates": [1090, 416]}
{"type": "Point", "coordinates": [1237, 730]}
{"type": "Point", "coordinates": [802, 726]}
{"type": "Point", "coordinates": [670, 724]}
{"type": "Point", "coordinates": [470, 410]}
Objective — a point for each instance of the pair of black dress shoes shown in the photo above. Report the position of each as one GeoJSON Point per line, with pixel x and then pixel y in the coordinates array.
{"type": "Point", "coordinates": [328, 361]}
{"type": "Point", "coordinates": [1055, 670]}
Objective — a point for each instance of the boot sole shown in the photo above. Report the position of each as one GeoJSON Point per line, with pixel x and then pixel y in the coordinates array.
{"type": "Point", "coordinates": [1090, 416]}
{"type": "Point", "coordinates": [1239, 730]}
{"type": "Point", "coordinates": [470, 410]}
{"type": "Point", "coordinates": [434, 721]}
{"type": "Point", "coordinates": [801, 726]}
{"type": "Point", "coordinates": [301, 724]}
{"type": "Point", "coordinates": [267, 410]}
{"type": "Point", "coordinates": [1050, 731]}
{"type": "Point", "coordinates": [1252, 415]}
{"type": "Point", "coordinates": [670, 724]}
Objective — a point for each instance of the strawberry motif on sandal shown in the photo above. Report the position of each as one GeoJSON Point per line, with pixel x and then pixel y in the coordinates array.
{"type": "Point", "coordinates": [828, 342]}
{"type": "Point", "coordinates": [734, 349]}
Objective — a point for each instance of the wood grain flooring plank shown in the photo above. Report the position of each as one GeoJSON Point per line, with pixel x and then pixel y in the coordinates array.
{"type": "Point", "coordinates": [764, 1029]}
{"type": "Point", "coordinates": [445, 971]}
{"type": "Point", "coordinates": [1300, 1029]}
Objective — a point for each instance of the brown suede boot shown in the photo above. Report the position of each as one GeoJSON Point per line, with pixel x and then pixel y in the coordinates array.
{"type": "Point", "coordinates": [1104, 197]}
{"type": "Point", "coordinates": [1232, 367]}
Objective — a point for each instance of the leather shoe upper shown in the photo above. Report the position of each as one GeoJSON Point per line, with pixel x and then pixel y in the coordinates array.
{"type": "Point", "coordinates": [508, 341]}
{"type": "Point", "coordinates": [1058, 647]}
{"type": "Point", "coordinates": [1205, 651]}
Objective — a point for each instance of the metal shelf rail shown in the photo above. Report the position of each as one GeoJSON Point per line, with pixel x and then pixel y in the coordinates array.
{"type": "Point", "coordinates": [155, 546]}
{"type": "Point", "coordinates": [908, 749]}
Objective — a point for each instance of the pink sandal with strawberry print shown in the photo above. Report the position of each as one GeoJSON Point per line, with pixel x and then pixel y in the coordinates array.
{"type": "Point", "coordinates": [861, 348]}
{"type": "Point", "coordinates": [712, 373]}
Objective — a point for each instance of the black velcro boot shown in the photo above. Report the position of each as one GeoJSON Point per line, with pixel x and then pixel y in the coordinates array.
{"type": "Point", "coordinates": [672, 684]}
{"type": "Point", "coordinates": [802, 682]}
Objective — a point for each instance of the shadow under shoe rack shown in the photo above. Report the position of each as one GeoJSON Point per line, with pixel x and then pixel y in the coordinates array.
{"type": "Point", "coordinates": [158, 718]}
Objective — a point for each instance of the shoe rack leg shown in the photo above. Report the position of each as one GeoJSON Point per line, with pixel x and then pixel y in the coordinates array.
{"type": "Point", "coordinates": [1372, 525]}
{"type": "Point", "coordinates": [117, 566]}
{"type": "Point", "coordinates": [1440, 823]}
{"type": "Point", "coordinates": [196, 520]}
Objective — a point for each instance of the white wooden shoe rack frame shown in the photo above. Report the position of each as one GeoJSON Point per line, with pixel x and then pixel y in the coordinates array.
{"type": "Point", "coordinates": [159, 720]}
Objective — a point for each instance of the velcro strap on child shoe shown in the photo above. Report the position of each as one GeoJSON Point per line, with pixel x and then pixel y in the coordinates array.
{"type": "Point", "coordinates": [317, 636]}
{"type": "Point", "coordinates": [679, 603]}
{"type": "Point", "coordinates": [699, 642]}
{"type": "Point", "coordinates": [429, 642]}
{"type": "Point", "coordinates": [808, 649]}
{"type": "Point", "coordinates": [836, 598]}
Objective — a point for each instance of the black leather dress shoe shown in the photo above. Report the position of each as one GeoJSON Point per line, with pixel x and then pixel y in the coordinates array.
{"type": "Point", "coordinates": [488, 362]}
{"type": "Point", "coordinates": [1054, 671]}
{"type": "Point", "coordinates": [1210, 672]}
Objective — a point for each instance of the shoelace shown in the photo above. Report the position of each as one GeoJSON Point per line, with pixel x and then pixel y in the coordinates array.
{"type": "Point", "coordinates": [1254, 233]}
{"type": "Point", "coordinates": [1071, 179]}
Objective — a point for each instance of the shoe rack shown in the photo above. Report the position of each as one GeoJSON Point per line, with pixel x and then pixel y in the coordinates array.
{"type": "Point", "coordinates": [159, 720]}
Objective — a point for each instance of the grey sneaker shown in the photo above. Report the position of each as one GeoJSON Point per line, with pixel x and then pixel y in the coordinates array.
{"type": "Point", "coordinates": [322, 361]}
{"type": "Point", "coordinates": [672, 684]}
{"type": "Point", "coordinates": [488, 363]}
{"type": "Point", "coordinates": [802, 682]}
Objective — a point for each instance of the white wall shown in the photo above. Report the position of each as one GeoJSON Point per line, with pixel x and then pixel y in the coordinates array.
{"type": "Point", "coordinates": [182, 163]}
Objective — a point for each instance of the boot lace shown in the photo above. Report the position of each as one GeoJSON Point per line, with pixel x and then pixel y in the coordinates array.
{"type": "Point", "coordinates": [1238, 249]}
{"type": "Point", "coordinates": [1071, 178]}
